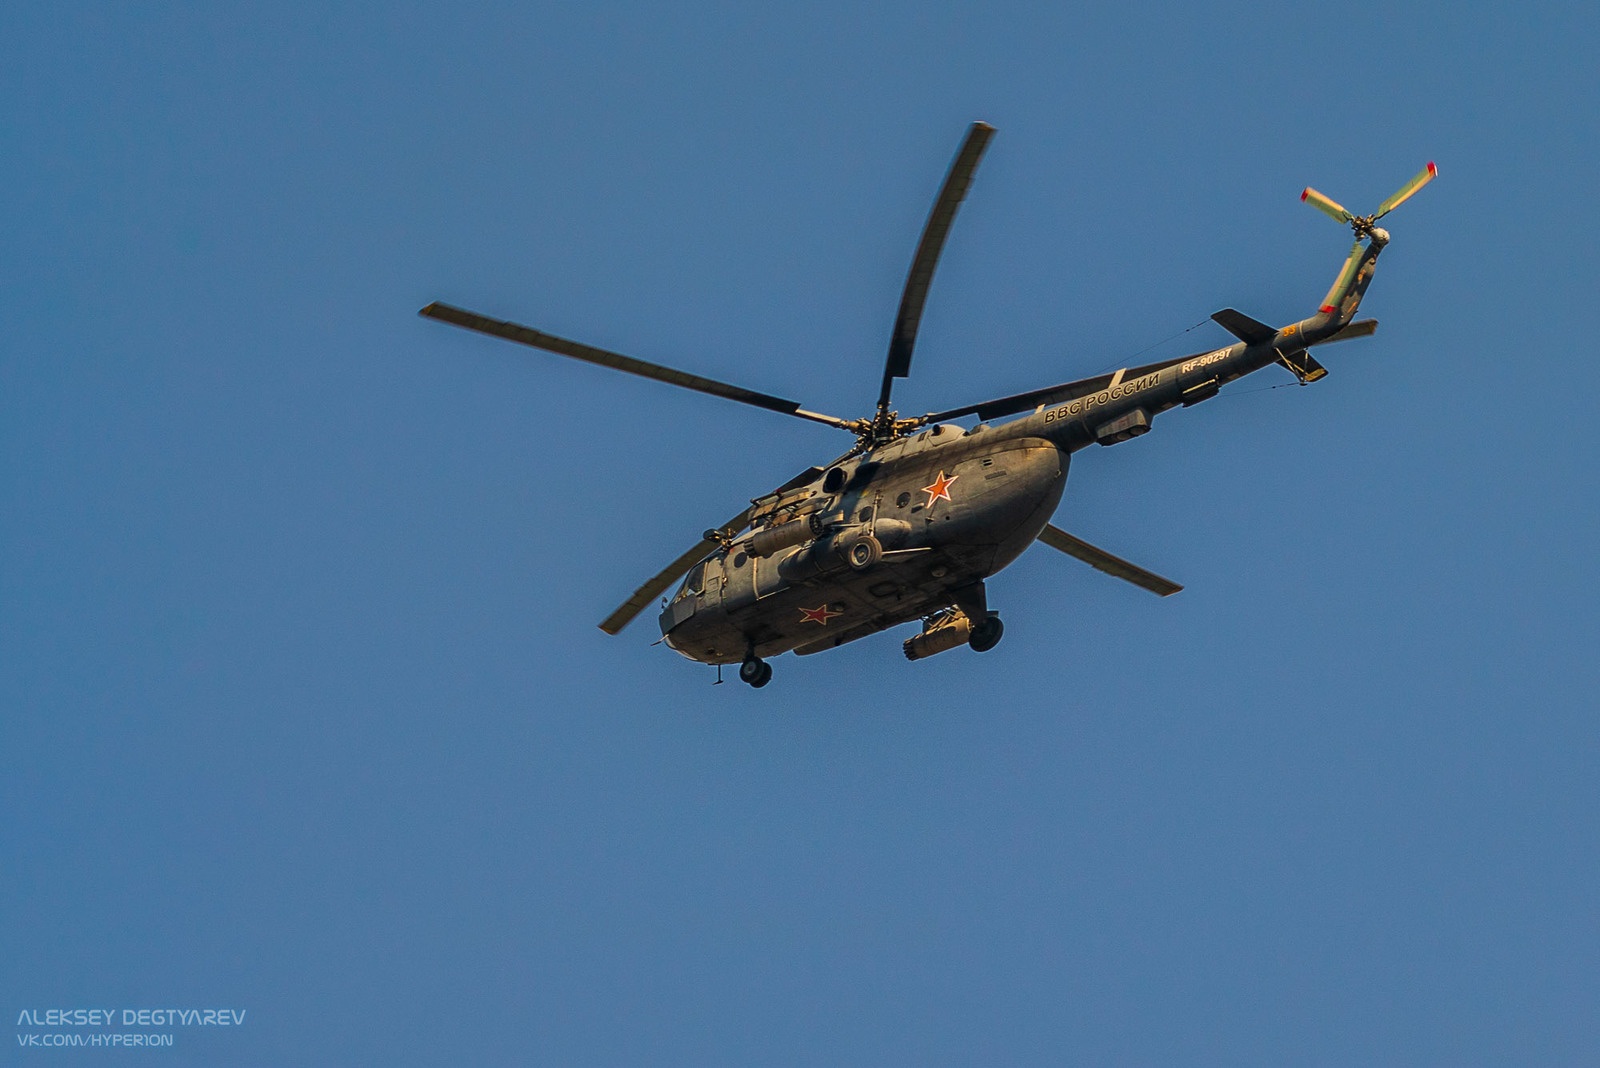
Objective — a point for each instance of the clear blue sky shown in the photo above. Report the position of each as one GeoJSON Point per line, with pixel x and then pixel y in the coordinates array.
{"type": "Point", "coordinates": [303, 707]}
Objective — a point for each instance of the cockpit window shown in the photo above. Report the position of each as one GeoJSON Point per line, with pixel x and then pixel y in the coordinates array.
{"type": "Point", "coordinates": [694, 581]}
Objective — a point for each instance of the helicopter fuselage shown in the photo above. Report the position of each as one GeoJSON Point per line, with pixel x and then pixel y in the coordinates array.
{"type": "Point", "coordinates": [950, 506]}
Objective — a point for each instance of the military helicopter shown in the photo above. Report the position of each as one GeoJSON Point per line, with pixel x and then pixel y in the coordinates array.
{"type": "Point", "coordinates": [909, 522]}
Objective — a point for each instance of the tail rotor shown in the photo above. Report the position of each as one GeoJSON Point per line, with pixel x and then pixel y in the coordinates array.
{"type": "Point", "coordinates": [1364, 225]}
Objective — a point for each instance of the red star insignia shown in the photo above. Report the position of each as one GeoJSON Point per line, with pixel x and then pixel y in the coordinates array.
{"type": "Point", "coordinates": [818, 615]}
{"type": "Point", "coordinates": [940, 490]}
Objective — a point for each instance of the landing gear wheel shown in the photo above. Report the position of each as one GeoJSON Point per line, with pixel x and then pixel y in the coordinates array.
{"type": "Point", "coordinates": [755, 672]}
{"type": "Point", "coordinates": [864, 553]}
{"type": "Point", "coordinates": [986, 635]}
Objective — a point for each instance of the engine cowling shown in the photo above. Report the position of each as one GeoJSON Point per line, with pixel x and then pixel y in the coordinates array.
{"type": "Point", "coordinates": [775, 539]}
{"type": "Point", "coordinates": [823, 557]}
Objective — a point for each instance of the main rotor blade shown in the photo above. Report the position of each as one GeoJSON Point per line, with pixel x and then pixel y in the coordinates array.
{"type": "Point", "coordinates": [904, 338]}
{"type": "Point", "coordinates": [1101, 560]}
{"type": "Point", "coordinates": [588, 353]}
{"type": "Point", "coordinates": [673, 572]}
{"type": "Point", "coordinates": [1407, 191]}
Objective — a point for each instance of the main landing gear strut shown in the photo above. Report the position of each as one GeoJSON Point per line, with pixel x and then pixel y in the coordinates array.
{"type": "Point", "coordinates": [973, 600]}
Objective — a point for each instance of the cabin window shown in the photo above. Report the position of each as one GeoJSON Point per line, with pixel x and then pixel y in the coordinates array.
{"type": "Point", "coordinates": [902, 500]}
{"type": "Point", "coordinates": [866, 515]}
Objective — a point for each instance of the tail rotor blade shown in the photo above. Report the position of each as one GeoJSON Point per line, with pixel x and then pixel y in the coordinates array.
{"type": "Point", "coordinates": [1341, 285]}
{"type": "Point", "coordinates": [1326, 206]}
{"type": "Point", "coordinates": [1407, 191]}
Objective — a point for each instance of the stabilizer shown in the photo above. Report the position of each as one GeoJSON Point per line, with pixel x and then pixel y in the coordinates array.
{"type": "Point", "coordinates": [1295, 358]}
{"type": "Point", "coordinates": [1359, 328]}
{"type": "Point", "coordinates": [1254, 332]}
{"type": "Point", "coordinates": [1243, 327]}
